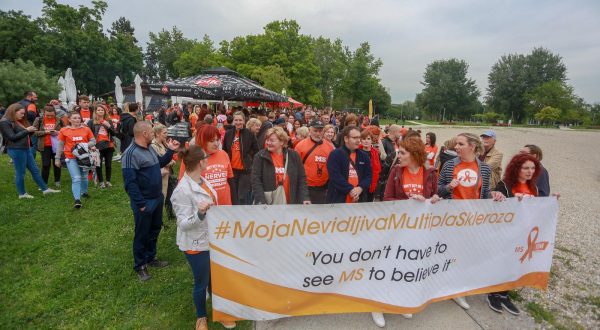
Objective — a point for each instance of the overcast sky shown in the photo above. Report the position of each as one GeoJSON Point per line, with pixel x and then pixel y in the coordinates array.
{"type": "Point", "coordinates": [406, 35]}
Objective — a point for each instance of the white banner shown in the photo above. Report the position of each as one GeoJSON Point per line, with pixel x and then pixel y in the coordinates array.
{"type": "Point", "coordinates": [269, 262]}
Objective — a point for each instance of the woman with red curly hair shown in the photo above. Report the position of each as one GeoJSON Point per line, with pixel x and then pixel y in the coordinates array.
{"type": "Point", "coordinates": [519, 181]}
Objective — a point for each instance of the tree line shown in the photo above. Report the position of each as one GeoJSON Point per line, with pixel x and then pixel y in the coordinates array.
{"type": "Point", "coordinates": [524, 88]}
{"type": "Point", "coordinates": [314, 70]}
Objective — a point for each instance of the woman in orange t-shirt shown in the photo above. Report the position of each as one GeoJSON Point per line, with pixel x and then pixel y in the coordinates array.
{"type": "Point", "coordinates": [430, 148]}
{"type": "Point", "coordinates": [218, 170]}
{"type": "Point", "coordinates": [466, 177]}
{"type": "Point", "coordinates": [520, 176]}
{"type": "Point", "coordinates": [68, 138]}
{"type": "Point", "coordinates": [269, 170]}
{"type": "Point", "coordinates": [101, 126]}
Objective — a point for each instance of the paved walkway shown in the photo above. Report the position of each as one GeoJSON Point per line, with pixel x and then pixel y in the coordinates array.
{"type": "Point", "coordinates": [441, 315]}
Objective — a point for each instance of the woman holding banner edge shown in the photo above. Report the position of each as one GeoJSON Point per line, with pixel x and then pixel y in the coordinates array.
{"type": "Point", "coordinates": [466, 177]}
{"type": "Point", "coordinates": [191, 200]}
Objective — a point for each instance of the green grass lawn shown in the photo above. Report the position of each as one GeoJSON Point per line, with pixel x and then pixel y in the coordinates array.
{"type": "Point", "coordinates": [67, 268]}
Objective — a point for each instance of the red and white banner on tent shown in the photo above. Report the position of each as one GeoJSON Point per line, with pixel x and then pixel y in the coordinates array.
{"type": "Point", "coordinates": [269, 262]}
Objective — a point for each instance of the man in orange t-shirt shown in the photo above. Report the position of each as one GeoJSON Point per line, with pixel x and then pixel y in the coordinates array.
{"type": "Point", "coordinates": [314, 153]}
{"type": "Point", "coordinates": [84, 109]}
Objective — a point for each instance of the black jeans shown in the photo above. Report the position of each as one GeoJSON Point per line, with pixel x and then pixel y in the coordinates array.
{"type": "Point", "coordinates": [48, 161]}
{"type": "Point", "coordinates": [106, 155]}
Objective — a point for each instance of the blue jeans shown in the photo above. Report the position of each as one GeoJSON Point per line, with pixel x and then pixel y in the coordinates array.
{"type": "Point", "coordinates": [79, 179]}
{"type": "Point", "coordinates": [22, 160]}
{"type": "Point", "coordinates": [200, 264]}
{"type": "Point", "coordinates": [34, 143]}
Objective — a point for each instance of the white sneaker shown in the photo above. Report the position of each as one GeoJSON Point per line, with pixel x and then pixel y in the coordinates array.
{"type": "Point", "coordinates": [378, 319]}
{"type": "Point", "coordinates": [407, 316]}
{"type": "Point", "coordinates": [25, 195]}
{"type": "Point", "coordinates": [50, 191]}
{"type": "Point", "coordinates": [462, 302]}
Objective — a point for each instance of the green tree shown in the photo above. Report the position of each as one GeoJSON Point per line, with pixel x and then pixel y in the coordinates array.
{"type": "Point", "coordinates": [448, 93]}
{"type": "Point", "coordinates": [360, 80]}
{"type": "Point", "coordinates": [122, 26]}
{"type": "Point", "coordinates": [271, 77]}
{"type": "Point", "coordinates": [514, 75]}
{"type": "Point", "coordinates": [331, 59]}
{"type": "Point", "coordinates": [19, 76]}
{"type": "Point", "coordinates": [162, 51]}
{"type": "Point", "coordinates": [200, 57]}
{"type": "Point", "coordinates": [17, 32]}
{"type": "Point", "coordinates": [548, 115]}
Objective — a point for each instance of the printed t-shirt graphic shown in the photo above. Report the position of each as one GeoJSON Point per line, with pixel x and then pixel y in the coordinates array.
{"type": "Point", "coordinates": [316, 163]}
{"type": "Point", "coordinates": [431, 150]}
{"type": "Point", "coordinates": [217, 172]}
{"type": "Point", "coordinates": [86, 115]}
{"type": "Point", "coordinates": [412, 183]}
{"type": "Point", "coordinates": [469, 185]}
{"type": "Point", "coordinates": [73, 136]}
{"type": "Point", "coordinates": [49, 124]}
{"type": "Point", "coordinates": [352, 176]}
{"type": "Point", "coordinates": [236, 153]}
{"type": "Point", "coordinates": [522, 188]}
{"type": "Point", "coordinates": [279, 164]}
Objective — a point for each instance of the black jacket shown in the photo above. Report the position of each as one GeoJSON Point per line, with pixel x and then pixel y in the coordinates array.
{"type": "Point", "coordinates": [15, 135]}
{"type": "Point", "coordinates": [263, 176]}
{"type": "Point", "coordinates": [127, 123]}
{"type": "Point", "coordinates": [248, 146]}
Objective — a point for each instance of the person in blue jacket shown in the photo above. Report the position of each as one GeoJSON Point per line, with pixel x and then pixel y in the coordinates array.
{"type": "Point", "coordinates": [349, 170]}
{"type": "Point", "coordinates": [143, 183]}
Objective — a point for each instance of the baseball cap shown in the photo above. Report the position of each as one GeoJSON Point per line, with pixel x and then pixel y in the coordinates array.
{"type": "Point", "coordinates": [316, 123]}
{"type": "Point", "coordinates": [489, 133]}
{"type": "Point", "coordinates": [279, 121]}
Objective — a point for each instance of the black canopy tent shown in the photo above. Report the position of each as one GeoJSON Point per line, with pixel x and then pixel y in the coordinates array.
{"type": "Point", "coordinates": [220, 84]}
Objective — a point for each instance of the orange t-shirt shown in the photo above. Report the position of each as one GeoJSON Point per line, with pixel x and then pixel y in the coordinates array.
{"type": "Point", "coordinates": [115, 120]}
{"type": "Point", "coordinates": [217, 172]}
{"type": "Point", "coordinates": [469, 186]}
{"type": "Point", "coordinates": [315, 165]}
{"type": "Point", "coordinates": [49, 124]}
{"type": "Point", "coordinates": [522, 188]}
{"type": "Point", "coordinates": [236, 153]}
{"type": "Point", "coordinates": [73, 136]}
{"type": "Point", "coordinates": [32, 108]}
{"type": "Point", "coordinates": [434, 150]}
{"type": "Point", "coordinates": [102, 133]}
{"type": "Point", "coordinates": [279, 165]}
{"type": "Point", "coordinates": [412, 183]}
{"type": "Point", "coordinates": [193, 121]}
{"type": "Point", "coordinates": [352, 176]}
{"type": "Point", "coordinates": [86, 115]}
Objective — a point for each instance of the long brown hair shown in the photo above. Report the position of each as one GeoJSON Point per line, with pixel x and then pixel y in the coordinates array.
{"type": "Point", "coordinates": [11, 114]}
{"type": "Point", "coordinates": [106, 115]}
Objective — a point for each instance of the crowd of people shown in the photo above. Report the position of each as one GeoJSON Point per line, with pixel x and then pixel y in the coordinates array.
{"type": "Point", "coordinates": [245, 156]}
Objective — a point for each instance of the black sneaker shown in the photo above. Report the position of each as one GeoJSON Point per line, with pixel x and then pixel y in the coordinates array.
{"type": "Point", "coordinates": [85, 195]}
{"type": "Point", "coordinates": [509, 306]}
{"type": "Point", "coordinates": [495, 302]}
{"type": "Point", "coordinates": [158, 263]}
{"type": "Point", "coordinates": [143, 274]}
{"type": "Point", "coordinates": [78, 204]}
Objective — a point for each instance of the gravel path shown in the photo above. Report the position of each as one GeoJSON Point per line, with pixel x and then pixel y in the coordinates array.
{"type": "Point", "coordinates": [572, 159]}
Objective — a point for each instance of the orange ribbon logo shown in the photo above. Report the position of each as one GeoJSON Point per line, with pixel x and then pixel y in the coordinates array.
{"type": "Point", "coordinates": [532, 245]}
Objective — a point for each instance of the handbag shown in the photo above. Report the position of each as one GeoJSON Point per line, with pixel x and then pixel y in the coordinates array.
{"type": "Point", "coordinates": [277, 196]}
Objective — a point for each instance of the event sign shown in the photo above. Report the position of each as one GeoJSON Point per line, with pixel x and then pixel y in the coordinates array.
{"type": "Point", "coordinates": [269, 262]}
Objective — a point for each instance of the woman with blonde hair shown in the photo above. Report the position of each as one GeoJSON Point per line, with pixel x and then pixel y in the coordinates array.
{"type": "Point", "coordinates": [278, 171]}
{"type": "Point", "coordinates": [101, 126]}
{"type": "Point", "coordinates": [466, 177]}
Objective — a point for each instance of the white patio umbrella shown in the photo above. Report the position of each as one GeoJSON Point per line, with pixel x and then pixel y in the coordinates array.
{"type": "Point", "coordinates": [62, 95]}
{"type": "Point", "coordinates": [70, 88]}
{"type": "Point", "coordinates": [138, 90]}
{"type": "Point", "coordinates": [118, 92]}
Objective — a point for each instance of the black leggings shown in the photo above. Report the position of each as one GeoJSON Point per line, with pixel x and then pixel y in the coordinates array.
{"type": "Point", "coordinates": [106, 155]}
{"type": "Point", "coordinates": [47, 162]}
